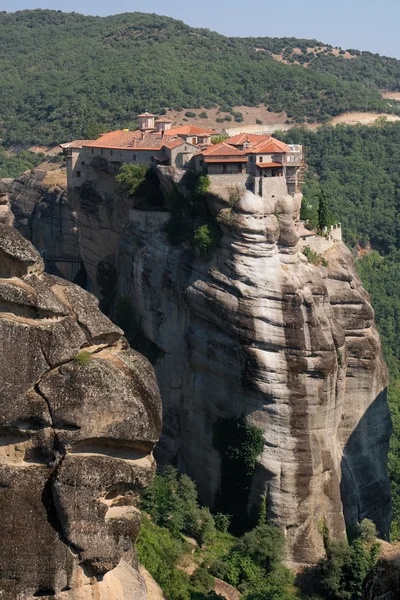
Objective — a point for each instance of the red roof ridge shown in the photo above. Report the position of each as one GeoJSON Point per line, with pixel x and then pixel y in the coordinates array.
{"type": "Point", "coordinates": [227, 150]}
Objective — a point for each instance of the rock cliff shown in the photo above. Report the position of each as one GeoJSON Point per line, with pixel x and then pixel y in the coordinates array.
{"type": "Point", "coordinates": [383, 581]}
{"type": "Point", "coordinates": [39, 209]}
{"type": "Point", "coordinates": [80, 413]}
{"type": "Point", "coordinates": [252, 333]}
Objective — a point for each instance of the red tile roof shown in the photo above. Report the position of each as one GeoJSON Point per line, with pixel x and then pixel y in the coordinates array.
{"type": "Point", "coordinates": [303, 232]}
{"type": "Point", "coordinates": [189, 130]}
{"type": "Point", "coordinates": [223, 149]}
{"type": "Point", "coordinates": [171, 144]}
{"type": "Point", "coordinates": [127, 140]}
{"type": "Point", "coordinates": [75, 144]}
{"type": "Point", "coordinates": [259, 144]}
{"type": "Point", "coordinates": [241, 138]}
{"type": "Point", "coordinates": [270, 165]}
{"type": "Point", "coordinates": [271, 146]}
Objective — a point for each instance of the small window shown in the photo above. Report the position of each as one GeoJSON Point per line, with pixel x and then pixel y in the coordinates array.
{"type": "Point", "coordinates": [134, 157]}
{"type": "Point", "coordinates": [102, 151]}
{"type": "Point", "coordinates": [83, 163]}
{"type": "Point", "coordinates": [224, 168]}
{"type": "Point", "coordinates": [201, 163]}
{"type": "Point", "coordinates": [92, 150]}
{"type": "Point", "coordinates": [260, 159]}
{"type": "Point", "coordinates": [78, 173]}
{"type": "Point", "coordinates": [111, 153]}
{"type": "Point", "coordinates": [240, 168]}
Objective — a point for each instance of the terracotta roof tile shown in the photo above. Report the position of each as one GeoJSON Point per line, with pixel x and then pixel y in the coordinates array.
{"type": "Point", "coordinates": [173, 143]}
{"type": "Point", "coordinates": [189, 130]}
{"type": "Point", "coordinates": [270, 165]}
{"type": "Point", "coordinates": [223, 149]}
{"type": "Point", "coordinates": [271, 146]}
{"type": "Point", "coordinates": [127, 140]}
{"type": "Point", "coordinates": [241, 138]}
{"type": "Point", "coordinates": [75, 144]}
{"type": "Point", "coordinates": [303, 232]}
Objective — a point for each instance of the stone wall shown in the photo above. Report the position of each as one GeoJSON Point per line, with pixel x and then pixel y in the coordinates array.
{"type": "Point", "coordinates": [321, 244]}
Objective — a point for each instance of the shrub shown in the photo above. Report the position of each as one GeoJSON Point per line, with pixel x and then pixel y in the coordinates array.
{"type": "Point", "coordinates": [202, 581]}
{"type": "Point", "coordinates": [203, 115]}
{"type": "Point", "coordinates": [222, 522]}
{"type": "Point", "coordinates": [202, 185]}
{"type": "Point", "coordinates": [83, 358]}
{"type": "Point", "coordinates": [130, 177]}
{"type": "Point", "coordinates": [216, 139]}
{"type": "Point", "coordinates": [190, 114]}
{"type": "Point", "coordinates": [258, 121]}
{"type": "Point", "coordinates": [313, 257]}
{"type": "Point", "coordinates": [238, 116]}
{"type": "Point", "coordinates": [367, 530]}
{"type": "Point", "coordinates": [206, 238]}
{"type": "Point", "coordinates": [160, 554]}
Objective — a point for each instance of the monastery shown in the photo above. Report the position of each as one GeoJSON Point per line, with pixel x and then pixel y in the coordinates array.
{"type": "Point", "coordinates": [244, 160]}
{"type": "Point", "coordinates": [187, 147]}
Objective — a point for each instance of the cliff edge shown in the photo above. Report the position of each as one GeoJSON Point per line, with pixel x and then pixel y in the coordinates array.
{"type": "Point", "coordinates": [80, 413]}
{"type": "Point", "coordinates": [251, 334]}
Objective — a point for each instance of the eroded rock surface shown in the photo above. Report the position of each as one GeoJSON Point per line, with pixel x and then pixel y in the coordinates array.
{"type": "Point", "coordinates": [254, 331]}
{"type": "Point", "coordinates": [383, 581]}
{"type": "Point", "coordinates": [80, 413]}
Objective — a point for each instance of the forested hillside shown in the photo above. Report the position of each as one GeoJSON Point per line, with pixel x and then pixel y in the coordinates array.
{"type": "Point", "coordinates": [358, 169]}
{"type": "Point", "coordinates": [62, 72]}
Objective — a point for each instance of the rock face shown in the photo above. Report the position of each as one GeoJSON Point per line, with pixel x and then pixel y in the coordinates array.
{"type": "Point", "coordinates": [256, 332]}
{"type": "Point", "coordinates": [383, 581]}
{"type": "Point", "coordinates": [79, 415]}
{"type": "Point", "coordinates": [41, 212]}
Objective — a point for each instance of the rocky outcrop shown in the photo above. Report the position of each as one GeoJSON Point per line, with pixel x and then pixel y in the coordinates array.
{"type": "Point", "coordinates": [40, 211]}
{"type": "Point", "coordinates": [79, 416]}
{"type": "Point", "coordinates": [255, 332]}
{"type": "Point", "coordinates": [383, 581]}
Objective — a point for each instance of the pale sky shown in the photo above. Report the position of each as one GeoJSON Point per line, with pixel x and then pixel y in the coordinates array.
{"type": "Point", "coordinates": [363, 24]}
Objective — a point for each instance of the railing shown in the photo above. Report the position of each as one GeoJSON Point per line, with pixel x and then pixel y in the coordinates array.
{"type": "Point", "coordinates": [294, 159]}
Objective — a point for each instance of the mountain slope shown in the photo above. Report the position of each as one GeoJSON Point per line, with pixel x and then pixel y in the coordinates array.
{"type": "Point", "coordinates": [60, 71]}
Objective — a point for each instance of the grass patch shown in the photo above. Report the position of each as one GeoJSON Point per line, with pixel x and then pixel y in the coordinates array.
{"type": "Point", "coordinates": [83, 358]}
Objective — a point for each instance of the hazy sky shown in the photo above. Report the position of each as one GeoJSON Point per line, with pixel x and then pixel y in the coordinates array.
{"type": "Point", "coordinates": [364, 24]}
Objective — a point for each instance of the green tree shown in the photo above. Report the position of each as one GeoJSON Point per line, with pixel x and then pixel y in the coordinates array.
{"type": "Point", "coordinates": [130, 177]}
{"type": "Point", "coordinates": [323, 217]}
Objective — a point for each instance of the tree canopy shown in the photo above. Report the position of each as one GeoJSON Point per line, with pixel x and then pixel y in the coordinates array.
{"type": "Point", "coordinates": [65, 75]}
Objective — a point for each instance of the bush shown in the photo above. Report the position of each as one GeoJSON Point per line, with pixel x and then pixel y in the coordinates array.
{"type": "Point", "coordinates": [160, 553]}
{"type": "Point", "coordinates": [202, 185]}
{"type": "Point", "coordinates": [203, 115]}
{"type": "Point", "coordinates": [130, 177]}
{"type": "Point", "coordinates": [367, 530]}
{"type": "Point", "coordinates": [190, 115]}
{"type": "Point", "coordinates": [222, 522]}
{"type": "Point", "coordinates": [206, 238]}
{"type": "Point", "coordinates": [202, 581]}
{"type": "Point", "coordinates": [313, 257]}
{"type": "Point", "coordinates": [258, 121]}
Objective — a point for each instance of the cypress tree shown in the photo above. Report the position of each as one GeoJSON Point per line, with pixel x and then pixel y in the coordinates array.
{"type": "Point", "coordinates": [322, 210]}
